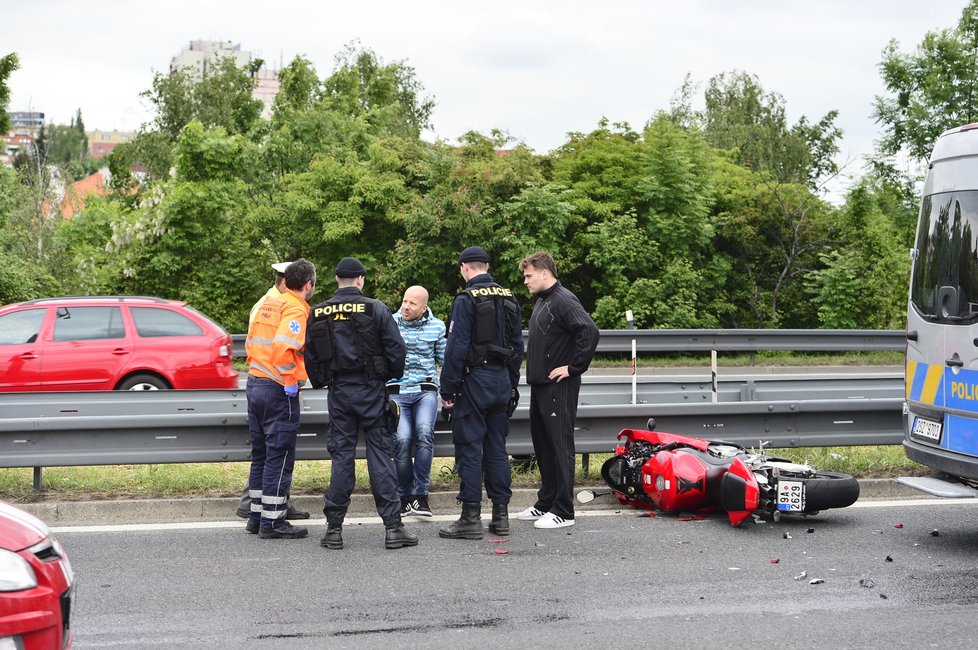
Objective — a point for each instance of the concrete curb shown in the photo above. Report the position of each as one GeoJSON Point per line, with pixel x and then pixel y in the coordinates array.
{"type": "Point", "coordinates": [147, 511]}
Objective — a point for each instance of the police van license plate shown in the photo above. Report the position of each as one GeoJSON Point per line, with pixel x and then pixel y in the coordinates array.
{"type": "Point", "coordinates": [791, 496]}
{"type": "Point", "coordinates": [927, 429]}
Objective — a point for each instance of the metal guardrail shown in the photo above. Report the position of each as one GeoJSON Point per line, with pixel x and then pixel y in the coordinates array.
{"type": "Point", "coordinates": [111, 427]}
{"type": "Point", "coordinates": [730, 340]}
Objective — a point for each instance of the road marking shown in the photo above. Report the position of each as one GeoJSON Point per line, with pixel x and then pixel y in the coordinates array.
{"type": "Point", "coordinates": [414, 521]}
{"type": "Point", "coordinates": [239, 523]}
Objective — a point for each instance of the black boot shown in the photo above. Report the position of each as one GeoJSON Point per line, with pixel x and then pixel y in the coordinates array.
{"type": "Point", "coordinates": [499, 525]}
{"type": "Point", "coordinates": [333, 538]}
{"type": "Point", "coordinates": [398, 537]}
{"type": "Point", "coordinates": [468, 526]}
{"type": "Point", "coordinates": [285, 531]}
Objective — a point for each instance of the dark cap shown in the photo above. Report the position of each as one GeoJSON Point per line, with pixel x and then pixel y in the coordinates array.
{"type": "Point", "coordinates": [473, 254]}
{"type": "Point", "coordinates": [350, 267]}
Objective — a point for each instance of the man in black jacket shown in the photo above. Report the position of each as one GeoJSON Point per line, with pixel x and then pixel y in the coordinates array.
{"type": "Point", "coordinates": [562, 341]}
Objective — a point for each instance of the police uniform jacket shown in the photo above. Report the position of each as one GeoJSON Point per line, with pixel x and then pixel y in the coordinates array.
{"type": "Point", "coordinates": [344, 336]}
{"type": "Point", "coordinates": [561, 333]}
{"type": "Point", "coordinates": [460, 338]}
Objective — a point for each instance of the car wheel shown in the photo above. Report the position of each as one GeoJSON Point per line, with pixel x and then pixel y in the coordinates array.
{"type": "Point", "coordinates": [143, 382]}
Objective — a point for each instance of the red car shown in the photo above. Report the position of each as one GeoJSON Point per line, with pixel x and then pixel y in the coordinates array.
{"type": "Point", "coordinates": [111, 342]}
{"type": "Point", "coordinates": [35, 584]}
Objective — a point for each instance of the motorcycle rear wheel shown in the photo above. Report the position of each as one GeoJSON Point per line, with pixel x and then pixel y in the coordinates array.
{"type": "Point", "coordinates": [830, 490]}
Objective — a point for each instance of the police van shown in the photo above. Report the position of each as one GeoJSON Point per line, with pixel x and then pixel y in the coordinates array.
{"type": "Point", "coordinates": [941, 408]}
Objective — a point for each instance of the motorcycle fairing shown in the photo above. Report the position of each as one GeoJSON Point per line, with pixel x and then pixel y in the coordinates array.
{"type": "Point", "coordinates": [662, 438]}
{"type": "Point", "coordinates": [738, 492]}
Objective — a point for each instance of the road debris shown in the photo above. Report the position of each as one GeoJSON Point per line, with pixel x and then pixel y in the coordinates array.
{"type": "Point", "coordinates": [816, 581]}
{"type": "Point", "coordinates": [803, 574]}
{"type": "Point", "coordinates": [866, 582]}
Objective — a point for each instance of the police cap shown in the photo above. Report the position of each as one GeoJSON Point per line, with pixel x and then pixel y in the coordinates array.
{"type": "Point", "coordinates": [280, 267]}
{"type": "Point", "coordinates": [350, 267]}
{"type": "Point", "coordinates": [473, 254]}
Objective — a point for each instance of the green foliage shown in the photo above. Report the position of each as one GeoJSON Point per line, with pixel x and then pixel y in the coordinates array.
{"type": "Point", "coordinates": [66, 146]}
{"type": "Point", "coordinates": [930, 90]}
{"type": "Point", "coordinates": [8, 64]}
{"type": "Point", "coordinates": [864, 282]}
{"type": "Point", "coordinates": [742, 117]}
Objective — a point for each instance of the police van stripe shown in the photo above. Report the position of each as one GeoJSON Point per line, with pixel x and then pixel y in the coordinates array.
{"type": "Point", "coordinates": [911, 376]}
{"type": "Point", "coordinates": [931, 383]}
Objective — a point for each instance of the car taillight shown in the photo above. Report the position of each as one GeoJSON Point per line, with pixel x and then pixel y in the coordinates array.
{"type": "Point", "coordinates": [224, 351]}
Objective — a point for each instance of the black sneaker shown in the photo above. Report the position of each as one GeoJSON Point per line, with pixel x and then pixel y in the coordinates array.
{"type": "Point", "coordinates": [406, 507]}
{"type": "Point", "coordinates": [252, 526]}
{"type": "Point", "coordinates": [420, 507]}
{"type": "Point", "coordinates": [286, 531]}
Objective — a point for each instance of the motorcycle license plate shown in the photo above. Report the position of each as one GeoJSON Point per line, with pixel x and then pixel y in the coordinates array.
{"type": "Point", "coordinates": [791, 496]}
{"type": "Point", "coordinates": [927, 429]}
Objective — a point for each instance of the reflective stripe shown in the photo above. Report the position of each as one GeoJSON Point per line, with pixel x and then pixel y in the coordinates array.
{"type": "Point", "coordinates": [909, 374]}
{"type": "Point", "coordinates": [273, 514]}
{"type": "Point", "coordinates": [273, 501]}
{"type": "Point", "coordinates": [288, 340]}
{"type": "Point", "coordinates": [259, 340]}
{"type": "Point", "coordinates": [284, 369]}
{"type": "Point", "coordinates": [254, 494]}
{"type": "Point", "coordinates": [256, 507]}
{"type": "Point", "coordinates": [931, 383]}
{"type": "Point", "coordinates": [271, 373]}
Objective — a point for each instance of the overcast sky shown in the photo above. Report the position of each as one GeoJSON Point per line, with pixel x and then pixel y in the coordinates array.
{"type": "Point", "coordinates": [536, 69]}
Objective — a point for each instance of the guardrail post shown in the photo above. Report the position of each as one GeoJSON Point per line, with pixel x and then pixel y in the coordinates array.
{"type": "Point", "coordinates": [586, 464]}
{"type": "Point", "coordinates": [37, 479]}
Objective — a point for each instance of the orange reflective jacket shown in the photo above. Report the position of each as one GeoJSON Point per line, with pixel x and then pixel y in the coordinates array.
{"type": "Point", "coordinates": [277, 337]}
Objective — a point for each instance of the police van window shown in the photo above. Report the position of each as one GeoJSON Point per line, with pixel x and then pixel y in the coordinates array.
{"type": "Point", "coordinates": [88, 323]}
{"type": "Point", "coordinates": [21, 326]}
{"type": "Point", "coordinates": [944, 285]}
{"type": "Point", "coordinates": [152, 322]}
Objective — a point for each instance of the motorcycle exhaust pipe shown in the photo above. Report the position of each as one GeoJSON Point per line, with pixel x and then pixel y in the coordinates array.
{"type": "Point", "coordinates": [587, 496]}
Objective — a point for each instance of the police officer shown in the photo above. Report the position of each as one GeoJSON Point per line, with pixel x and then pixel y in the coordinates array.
{"type": "Point", "coordinates": [354, 347]}
{"type": "Point", "coordinates": [479, 382]}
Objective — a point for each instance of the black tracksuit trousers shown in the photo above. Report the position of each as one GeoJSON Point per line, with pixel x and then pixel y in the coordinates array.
{"type": "Point", "coordinates": [553, 409]}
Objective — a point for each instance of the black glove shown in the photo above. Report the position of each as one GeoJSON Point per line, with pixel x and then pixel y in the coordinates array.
{"type": "Point", "coordinates": [514, 400]}
{"type": "Point", "coordinates": [446, 414]}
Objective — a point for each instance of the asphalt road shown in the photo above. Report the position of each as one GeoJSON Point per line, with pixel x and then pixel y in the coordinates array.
{"type": "Point", "coordinates": [615, 579]}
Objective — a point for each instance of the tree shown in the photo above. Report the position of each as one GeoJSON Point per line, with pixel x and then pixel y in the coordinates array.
{"type": "Point", "coordinates": [66, 146]}
{"type": "Point", "coordinates": [8, 64]}
{"type": "Point", "coordinates": [930, 90]}
{"type": "Point", "coordinates": [742, 117]}
{"type": "Point", "coordinates": [220, 97]}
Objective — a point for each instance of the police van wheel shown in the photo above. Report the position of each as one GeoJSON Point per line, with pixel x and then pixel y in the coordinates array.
{"type": "Point", "coordinates": [143, 382]}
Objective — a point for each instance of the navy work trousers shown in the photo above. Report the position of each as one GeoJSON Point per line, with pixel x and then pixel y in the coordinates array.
{"type": "Point", "coordinates": [479, 429]}
{"type": "Point", "coordinates": [354, 406]}
{"type": "Point", "coordinates": [553, 409]}
{"type": "Point", "coordinates": [273, 422]}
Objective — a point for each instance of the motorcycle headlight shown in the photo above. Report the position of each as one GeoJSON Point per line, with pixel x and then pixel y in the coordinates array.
{"type": "Point", "coordinates": [15, 573]}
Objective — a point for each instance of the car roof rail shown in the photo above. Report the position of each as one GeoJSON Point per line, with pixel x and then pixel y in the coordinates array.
{"type": "Point", "coordinates": [37, 301]}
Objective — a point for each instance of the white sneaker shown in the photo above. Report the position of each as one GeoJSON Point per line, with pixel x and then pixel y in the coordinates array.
{"type": "Point", "coordinates": [550, 520]}
{"type": "Point", "coordinates": [530, 514]}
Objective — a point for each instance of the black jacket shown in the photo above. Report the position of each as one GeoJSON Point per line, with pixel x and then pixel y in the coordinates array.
{"type": "Point", "coordinates": [561, 334]}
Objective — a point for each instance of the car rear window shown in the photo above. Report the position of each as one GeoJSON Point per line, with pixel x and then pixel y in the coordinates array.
{"type": "Point", "coordinates": [88, 323]}
{"type": "Point", "coordinates": [20, 326]}
{"type": "Point", "coordinates": [153, 321]}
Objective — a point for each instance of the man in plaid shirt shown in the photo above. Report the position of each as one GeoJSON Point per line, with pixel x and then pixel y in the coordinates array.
{"type": "Point", "coordinates": [417, 395]}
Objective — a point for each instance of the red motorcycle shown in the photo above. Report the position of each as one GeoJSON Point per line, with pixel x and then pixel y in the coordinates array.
{"type": "Point", "coordinates": [673, 472]}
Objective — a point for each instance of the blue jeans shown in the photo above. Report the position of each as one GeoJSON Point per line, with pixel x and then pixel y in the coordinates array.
{"type": "Point", "coordinates": [417, 427]}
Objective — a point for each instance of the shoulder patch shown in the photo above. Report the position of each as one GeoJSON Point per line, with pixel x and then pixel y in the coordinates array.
{"type": "Point", "coordinates": [295, 327]}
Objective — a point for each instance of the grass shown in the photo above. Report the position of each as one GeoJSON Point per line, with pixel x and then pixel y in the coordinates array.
{"type": "Point", "coordinates": [311, 477]}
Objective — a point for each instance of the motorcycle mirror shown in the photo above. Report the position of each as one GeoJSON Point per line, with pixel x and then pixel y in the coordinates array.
{"type": "Point", "coordinates": [650, 425]}
{"type": "Point", "coordinates": [585, 496]}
